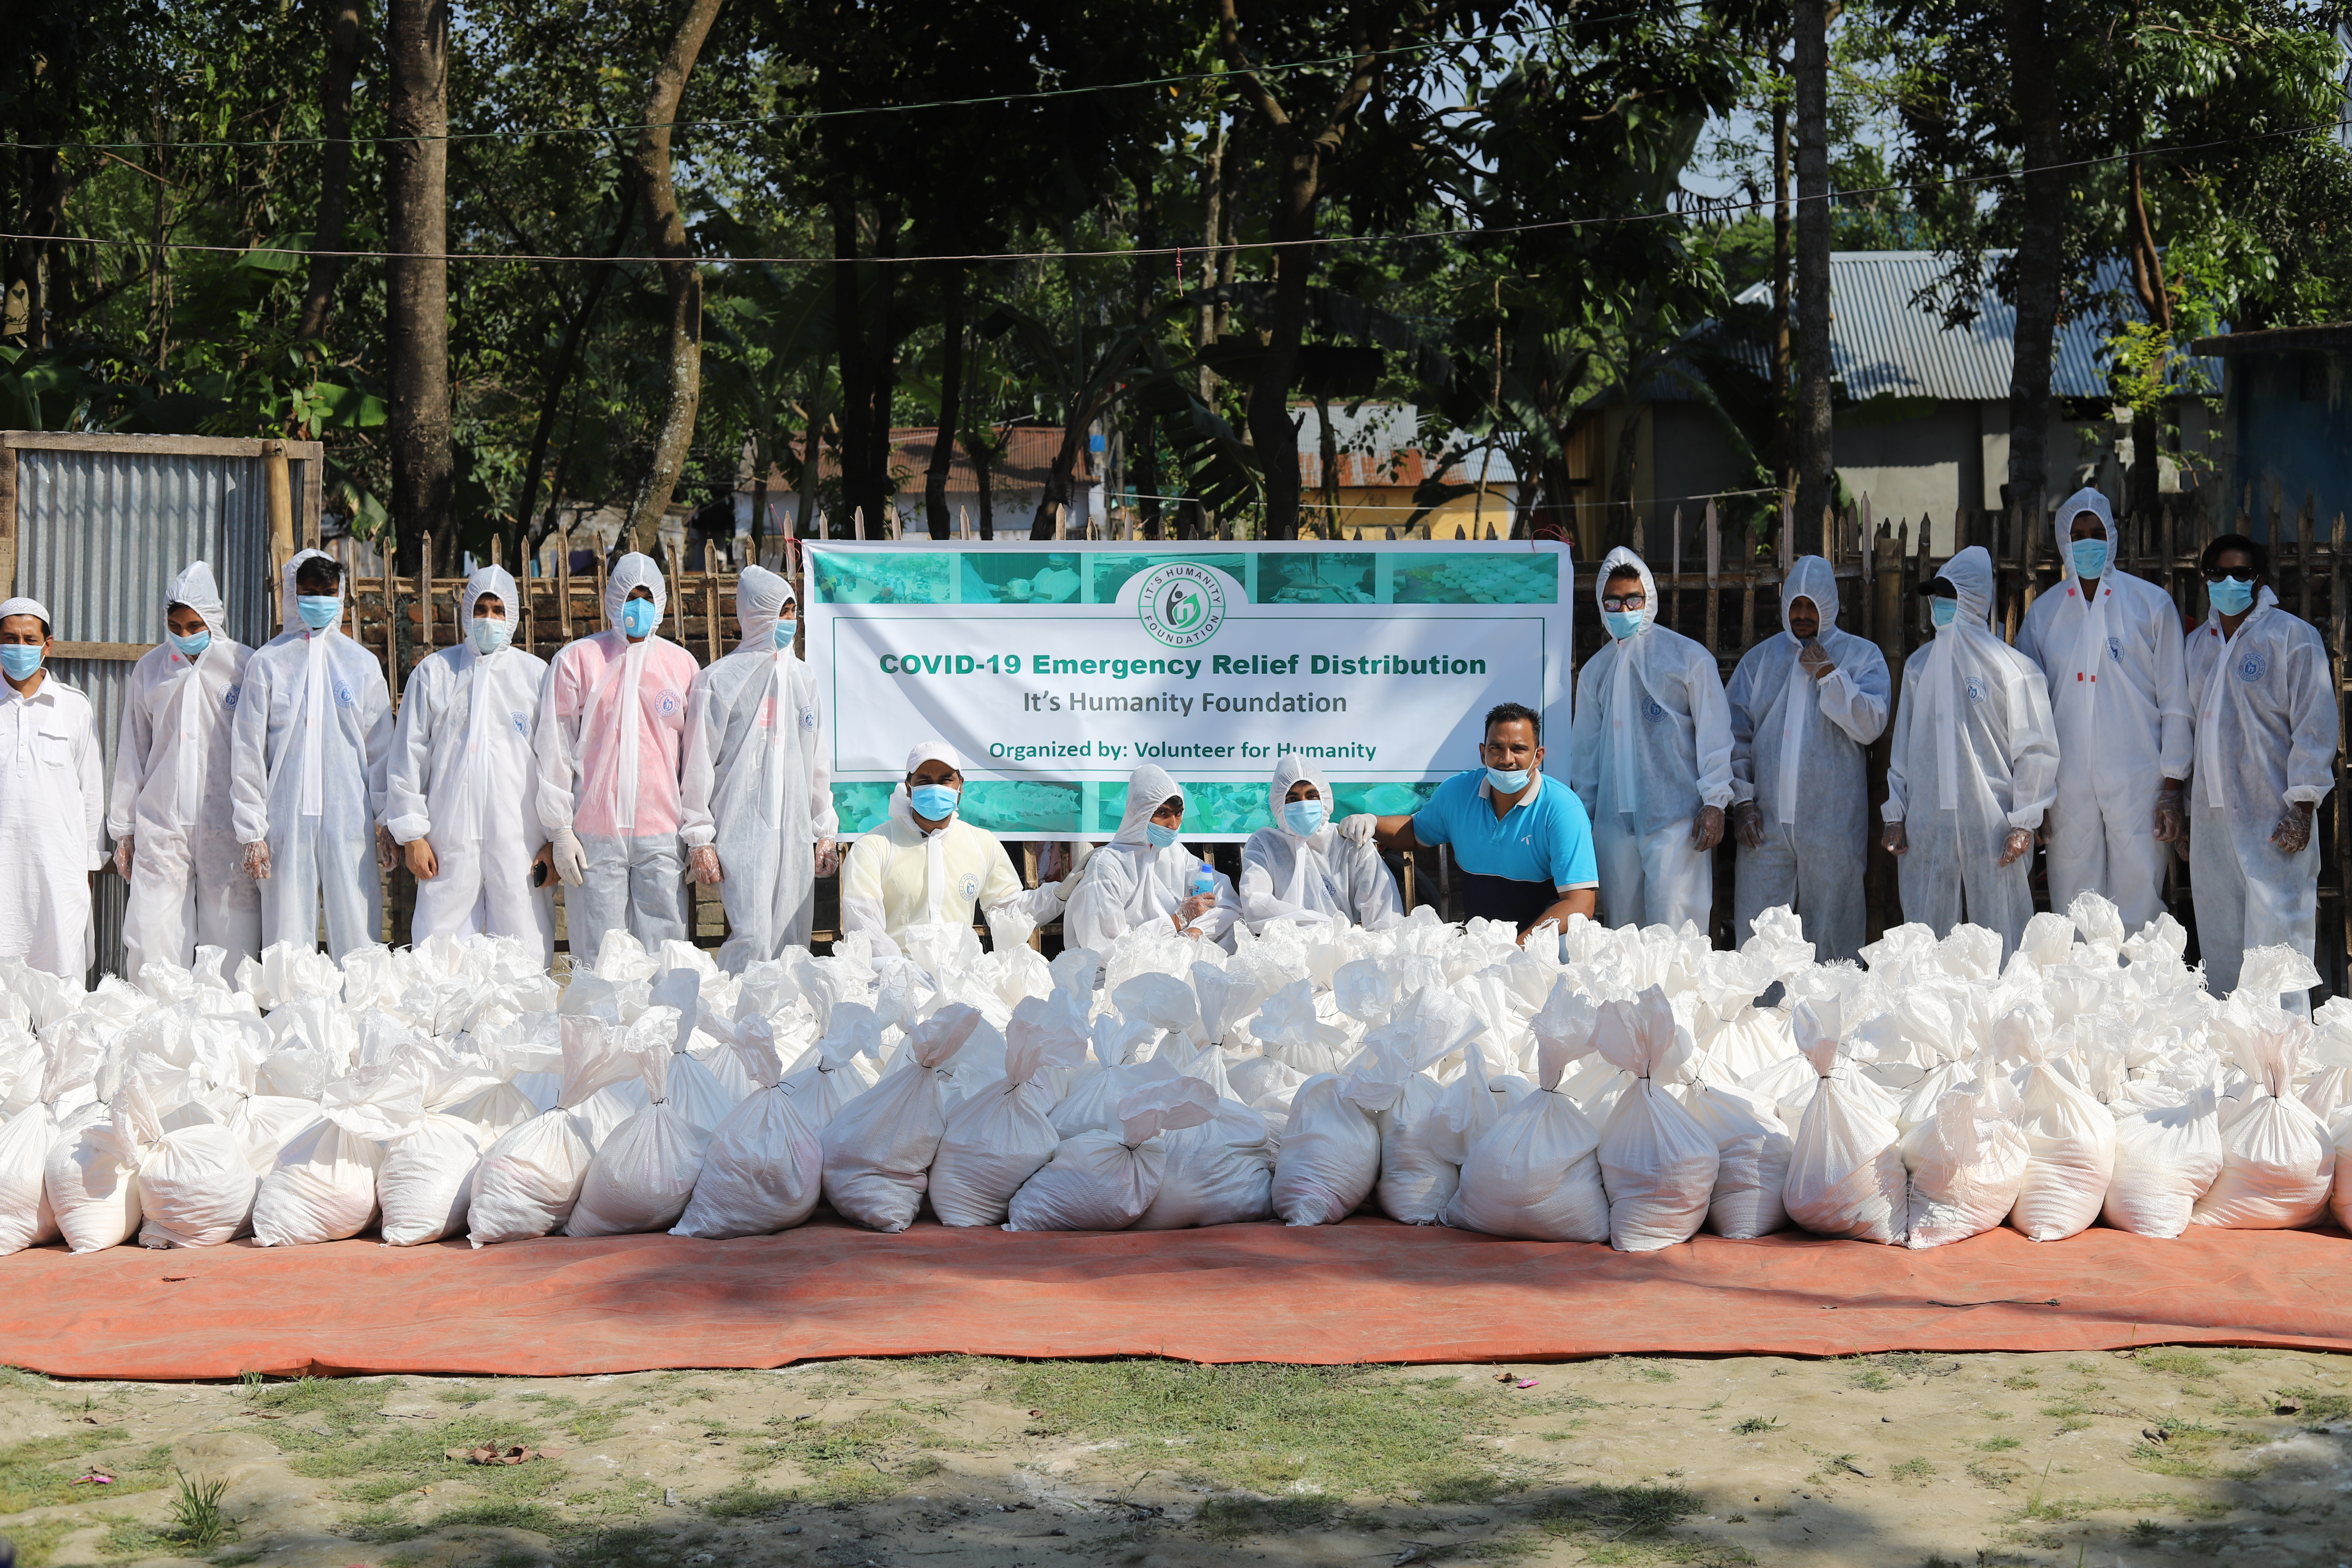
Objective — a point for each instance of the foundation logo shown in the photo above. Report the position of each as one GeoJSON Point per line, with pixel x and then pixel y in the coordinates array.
{"type": "Point", "coordinates": [1181, 603]}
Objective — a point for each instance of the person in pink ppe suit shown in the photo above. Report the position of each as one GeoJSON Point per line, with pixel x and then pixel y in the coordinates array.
{"type": "Point", "coordinates": [612, 730]}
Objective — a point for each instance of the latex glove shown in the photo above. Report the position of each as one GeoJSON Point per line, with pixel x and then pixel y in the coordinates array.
{"type": "Point", "coordinates": [1359, 828]}
{"type": "Point", "coordinates": [1747, 825]}
{"type": "Point", "coordinates": [571, 860]}
{"type": "Point", "coordinates": [1815, 662]}
{"type": "Point", "coordinates": [2019, 842]}
{"type": "Point", "coordinates": [828, 858]}
{"type": "Point", "coordinates": [1706, 827]}
{"type": "Point", "coordinates": [2171, 821]}
{"type": "Point", "coordinates": [123, 858]}
{"type": "Point", "coordinates": [1193, 909]}
{"type": "Point", "coordinates": [703, 860]}
{"type": "Point", "coordinates": [1896, 838]}
{"type": "Point", "coordinates": [423, 864]}
{"type": "Point", "coordinates": [387, 852]}
{"type": "Point", "coordinates": [256, 861]}
{"type": "Point", "coordinates": [2293, 834]}
{"type": "Point", "coordinates": [1080, 853]}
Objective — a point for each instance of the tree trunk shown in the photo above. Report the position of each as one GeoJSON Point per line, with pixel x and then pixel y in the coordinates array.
{"type": "Point", "coordinates": [1783, 239]}
{"type": "Point", "coordinates": [2156, 300]}
{"type": "Point", "coordinates": [811, 457]}
{"type": "Point", "coordinates": [984, 452]}
{"type": "Point", "coordinates": [1213, 227]}
{"type": "Point", "coordinates": [883, 378]}
{"type": "Point", "coordinates": [849, 335]}
{"type": "Point", "coordinates": [935, 480]}
{"type": "Point", "coordinates": [335, 165]}
{"type": "Point", "coordinates": [567, 353]}
{"type": "Point", "coordinates": [417, 276]}
{"type": "Point", "coordinates": [682, 280]}
{"type": "Point", "coordinates": [1816, 458]}
{"type": "Point", "coordinates": [1270, 427]}
{"type": "Point", "coordinates": [2034, 280]}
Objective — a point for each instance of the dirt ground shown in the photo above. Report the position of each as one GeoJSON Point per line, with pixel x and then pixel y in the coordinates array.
{"type": "Point", "coordinates": [2226, 1457]}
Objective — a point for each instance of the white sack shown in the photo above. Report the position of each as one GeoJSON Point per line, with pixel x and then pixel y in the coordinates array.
{"type": "Point", "coordinates": [2166, 1157]}
{"type": "Point", "coordinates": [879, 1150]}
{"type": "Point", "coordinates": [642, 1176]}
{"type": "Point", "coordinates": [1845, 1171]}
{"type": "Point", "coordinates": [1752, 1147]}
{"type": "Point", "coordinates": [764, 1169]}
{"type": "Point", "coordinates": [996, 1139]}
{"type": "Point", "coordinates": [529, 1179]}
{"type": "Point", "coordinates": [1658, 1166]}
{"type": "Point", "coordinates": [1966, 1162]}
{"type": "Point", "coordinates": [2070, 1135]}
{"type": "Point", "coordinates": [2278, 1161]}
{"type": "Point", "coordinates": [196, 1188]}
{"type": "Point", "coordinates": [1105, 1180]}
{"type": "Point", "coordinates": [25, 1217]}
{"type": "Point", "coordinates": [1535, 1173]}
{"type": "Point", "coordinates": [92, 1177]}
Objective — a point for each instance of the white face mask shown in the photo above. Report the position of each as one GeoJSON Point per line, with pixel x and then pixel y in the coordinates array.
{"type": "Point", "coordinates": [490, 634]}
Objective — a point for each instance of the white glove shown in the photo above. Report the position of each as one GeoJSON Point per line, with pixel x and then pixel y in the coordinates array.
{"type": "Point", "coordinates": [1080, 853]}
{"type": "Point", "coordinates": [571, 860]}
{"type": "Point", "coordinates": [1359, 828]}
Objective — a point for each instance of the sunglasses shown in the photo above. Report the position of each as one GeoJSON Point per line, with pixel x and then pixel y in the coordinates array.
{"type": "Point", "coordinates": [2229, 576]}
{"type": "Point", "coordinates": [1628, 602]}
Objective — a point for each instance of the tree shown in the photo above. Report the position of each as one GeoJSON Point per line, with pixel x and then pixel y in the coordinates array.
{"type": "Point", "coordinates": [416, 47]}
{"type": "Point", "coordinates": [1816, 456]}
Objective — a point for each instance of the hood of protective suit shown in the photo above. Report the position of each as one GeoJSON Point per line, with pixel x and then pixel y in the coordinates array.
{"type": "Point", "coordinates": [1148, 789]}
{"type": "Point", "coordinates": [1620, 556]}
{"type": "Point", "coordinates": [761, 596]}
{"type": "Point", "coordinates": [289, 618]}
{"type": "Point", "coordinates": [194, 587]}
{"type": "Point", "coordinates": [630, 573]}
{"type": "Point", "coordinates": [2061, 526]}
{"type": "Point", "coordinates": [1811, 577]}
{"type": "Point", "coordinates": [1289, 772]}
{"type": "Point", "coordinates": [1970, 572]}
{"type": "Point", "coordinates": [494, 580]}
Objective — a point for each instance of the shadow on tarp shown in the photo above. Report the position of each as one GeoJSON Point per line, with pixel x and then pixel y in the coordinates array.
{"type": "Point", "coordinates": [1367, 1290]}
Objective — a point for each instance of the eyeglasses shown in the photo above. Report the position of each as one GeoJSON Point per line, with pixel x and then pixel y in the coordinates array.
{"type": "Point", "coordinates": [1629, 602]}
{"type": "Point", "coordinates": [2229, 576]}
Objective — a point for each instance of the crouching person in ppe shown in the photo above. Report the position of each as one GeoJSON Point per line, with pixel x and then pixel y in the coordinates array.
{"type": "Point", "coordinates": [52, 804]}
{"type": "Point", "coordinates": [1303, 869]}
{"type": "Point", "coordinates": [1803, 707]}
{"type": "Point", "coordinates": [1143, 875]}
{"type": "Point", "coordinates": [610, 744]}
{"type": "Point", "coordinates": [1973, 767]}
{"type": "Point", "coordinates": [2265, 758]}
{"type": "Point", "coordinates": [310, 750]}
{"type": "Point", "coordinates": [926, 865]}
{"type": "Point", "coordinates": [759, 817]}
{"type": "Point", "coordinates": [463, 786]}
{"type": "Point", "coordinates": [172, 816]}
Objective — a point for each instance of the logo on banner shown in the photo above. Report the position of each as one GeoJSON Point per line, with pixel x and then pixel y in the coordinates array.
{"type": "Point", "coordinates": [1181, 603]}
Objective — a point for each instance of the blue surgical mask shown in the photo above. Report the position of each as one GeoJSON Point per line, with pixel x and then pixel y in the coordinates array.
{"type": "Point", "coordinates": [2231, 595]}
{"type": "Point", "coordinates": [1161, 837]}
{"type": "Point", "coordinates": [2090, 559]}
{"type": "Point", "coordinates": [1305, 817]}
{"type": "Point", "coordinates": [638, 618]}
{"type": "Point", "coordinates": [933, 803]}
{"type": "Point", "coordinates": [1507, 781]}
{"type": "Point", "coordinates": [190, 647]}
{"type": "Point", "coordinates": [490, 634]}
{"type": "Point", "coordinates": [20, 659]}
{"type": "Point", "coordinates": [318, 611]}
{"type": "Point", "coordinates": [1622, 624]}
{"type": "Point", "coordinates": [1943, 612]}
{"type": "Point", "coordinates": [784, 630]}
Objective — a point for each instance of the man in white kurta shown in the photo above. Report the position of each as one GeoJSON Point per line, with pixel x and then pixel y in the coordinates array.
{"type": "Point", "coordinates": [52, 804]}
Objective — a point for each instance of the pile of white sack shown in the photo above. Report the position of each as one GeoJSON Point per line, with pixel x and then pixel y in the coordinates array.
{"type": "Point", "coordinates": [1637, 1093]}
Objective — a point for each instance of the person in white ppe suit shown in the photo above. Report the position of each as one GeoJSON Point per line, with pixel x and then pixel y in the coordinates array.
{"type": "Point", "coordinates": [1803, 707]}
{"type": "Point", "coordinates": [52, 803]}
{"type": "Point", "coordinates": [2110, 646]}
{"type": "Point", "coordinates": [1974, 765]}
{"type": "Point", "coordinates": [1303, 869]}
{"type": "Point", "coordinates": [612, 744]}
{"type": "Point", "coordinates": [2264, 757]}
{"type": "Point", "coordinates": [758, 820]}
{"type": "Point", "coordinates": [308, 752]}
{"type": "Point", "coordinates": [463, 785]}
{"type": "Point", "coordinates": [1650, 756]}
{"type": "Point", "coordinates": [926, 865]}
{"type": "Point", "coordinates": [1143, 877]}
{"type": "Point", "coordinates": [173, 811]}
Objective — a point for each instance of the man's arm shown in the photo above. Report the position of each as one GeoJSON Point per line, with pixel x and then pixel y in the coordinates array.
{"type": "Point", "coordinates": [1572, 902]}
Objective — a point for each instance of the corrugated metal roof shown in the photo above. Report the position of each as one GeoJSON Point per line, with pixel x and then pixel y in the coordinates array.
{"type": "Point", "coordinates": [1887, 337]}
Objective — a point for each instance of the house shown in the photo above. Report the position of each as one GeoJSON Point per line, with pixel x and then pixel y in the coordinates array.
{"type": "Point", "coordinates": [1381, 458]}
{"type": "Point", "coordinates": [1017, 484]}
{"type": "Point", "coordinates": [2285, 429]}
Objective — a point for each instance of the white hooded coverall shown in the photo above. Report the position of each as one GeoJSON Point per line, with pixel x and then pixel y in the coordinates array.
{"type": "Point", "coordinates": [1974, 754]}
{"type": "Point", "coordinates": [610, 744]}
{"type": "Point", "coordinates": [1650, 745]}
{"type": "Point", "coordinates": [1309, 879]}
{"type": "Point", "coordinates": [899, 876]}
{"type": "Point", "coordinates": [1797, 751]}
{"type": "Point", "coordinates": [757, 787]}
{"type": "Point", "coordinates": [173, 798]}
{"type": "Point", "coordinates": [2266, 735]}
{"type": "Point", "coordinates": [313, 738]}
{"type": "Point", "coordinates": [2119, 694]}
{"type": "Point", "coordinates": [464, 778]}
{"type": "Point", "coordinates": [1128, 883]}
{"type": "Point", "coordinates": [52, 819]}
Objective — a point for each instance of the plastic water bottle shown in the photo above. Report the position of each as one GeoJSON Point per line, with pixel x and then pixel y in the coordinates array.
{"type": "Point", "coordinates": [1204, 881]}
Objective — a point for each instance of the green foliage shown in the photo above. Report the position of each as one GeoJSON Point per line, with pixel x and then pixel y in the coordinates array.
{"type": "Point", "coordinates": [197, 1521]}
{"type": "Point", "coordinates": [2174, 1362]}
{"type": "Point", "coordinates": [1621, 1511]}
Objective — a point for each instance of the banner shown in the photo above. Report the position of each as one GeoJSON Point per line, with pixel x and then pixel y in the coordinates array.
{"type": "Point", "coordinates": [1057, 668]}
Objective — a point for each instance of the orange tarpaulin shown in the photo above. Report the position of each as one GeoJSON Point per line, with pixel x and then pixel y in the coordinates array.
{"type": "Point", "coordinates": [1364, 1291]}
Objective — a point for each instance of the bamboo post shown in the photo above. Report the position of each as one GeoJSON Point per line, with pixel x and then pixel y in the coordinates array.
{"type": "Point", "coordinates": [1869, 616]}
{"type": "Point", "coordinates": [1674, 594]}
{"type": "Point", "coordinates": [2338, 623]}
{"type": "Point", "coordinates": [710, 609]}
{"type": "Point", "coordinates": [676, 599]}
{"type": "Point", "coordinates": [563, 583]}
{"type": "Point", "coordinates": [2303, 568]}
{"type": "Point", "coordinates": [425, 599]}
{"type": "Point", "coordinates": [1788, 532]}
{"type": "Point", "coordinates": [1714, 572]}
{"type": "Point", "coordinates": [599, 581]}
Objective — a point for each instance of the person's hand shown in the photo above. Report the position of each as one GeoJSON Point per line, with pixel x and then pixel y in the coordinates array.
{"type": "Point", "coordinates": [387, 852]}
{"type": "Point", "coordinates": [2019, 842]}
{"type": "Point", "coordinates": [1815, 662]}
{"type": "Point", "coordinates": [256, 861]}
{"type": "Point", "coordinates": [423, 864]}
{"type": "Point", "coordinates": [571, 860]}
{"type": "Point", "coordinates": [1080, 853]}
{"type": "Point", "coordinates": [1359, 828]}
{"type": "Point", "coordinates": [704, 860]}
{"type": "Point", "coordinates": [2293, 834]}
{"type": "Point", "coordinates": [828, 858]}
{"type": "Point", "coordinates": [1896, 838]}
{"type": "Point", "coordinates": [1747, 825]}
{"type": "Point", "coordinates": [1706, 827]}
{"type": "Point", "coordinates": [1193, 908]}
{"type": "Point", "coordinates": [123, 858]}
{"type": "Point", "coordinates": [2171, 822]}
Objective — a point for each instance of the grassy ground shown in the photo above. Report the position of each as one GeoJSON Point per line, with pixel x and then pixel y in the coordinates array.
{"type": "Point", "coordinates": [2226, 1457]}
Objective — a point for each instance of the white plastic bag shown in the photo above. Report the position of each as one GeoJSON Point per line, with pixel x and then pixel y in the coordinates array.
{"type": "Point", "coordinates": [1105, 1180]}
{"type": "Point", "coordinates": [1752, 1147]}
{"type": "Point", "coordinates": [1966, 1162]}
{"type": "Point", "coordinates": [879, 1150]}
{"type": "Point", "coordinates": [2070, 1135]}
{"type": "Point", "coordinates": [764, 1169]}
{"type": "Point", "coordinates": [1420, 1163]}
{"type": "Point", "coordinates": [1658, 1166]}
{"type": "Point", "coordinates": [643, 1175]}
{"type": "Point", "coordinates": [25, 1217]}
{"type": "Point", "coordinates": [839, 1067]}
{"type": "Point", "coordinates": [92, 1177]}
{"type": "Point", "coordinates": [995, 1139]}
{"type": "Point", "coordinates": [2166, 1157]}
{"type": "Point", "coordinates": [1220, 1171]}
{"type": "Point", "coordinates": [1535, 1173]}
{"type": "Point", "coordinates": [2278, 1161]}
{"type": "Point", "coordinates": [529, 1179]}
{"type": "Point", "coordinates": [1846, 1170]}
{"type": "Point", "coordinates": [1330, 1156]}
{"type": "Point", "coordinates": [196, 1188]}
{"type": "Point", "coordinates": [323, 1186]}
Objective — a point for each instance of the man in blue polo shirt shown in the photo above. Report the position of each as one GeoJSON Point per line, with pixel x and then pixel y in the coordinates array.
{"type": "Point", "coordinates": [1521, 839]}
